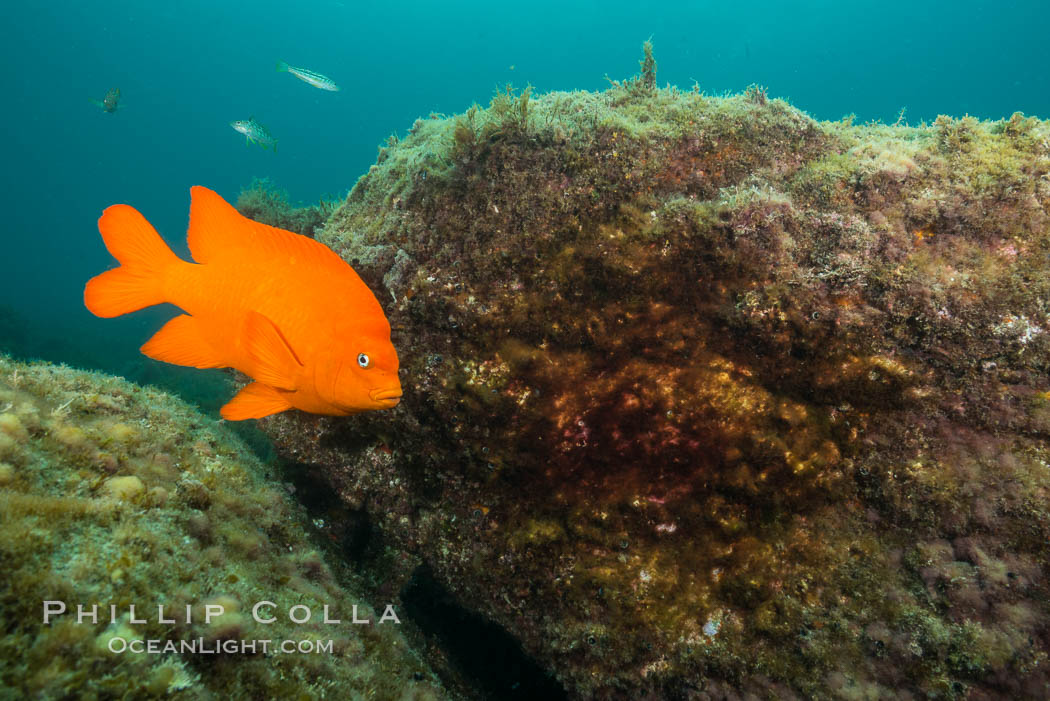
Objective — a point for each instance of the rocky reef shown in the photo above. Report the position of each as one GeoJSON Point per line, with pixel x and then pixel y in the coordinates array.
{"type": "Point", "coordinates": [114, 495]}
{"type": "Point", "coordinates": [707, 399]}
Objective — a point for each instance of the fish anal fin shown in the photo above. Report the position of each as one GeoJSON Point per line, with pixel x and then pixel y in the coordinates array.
{"type": "Point", "coordinates": [254, 401]}
{"type": "Point", "coordinates": [275, 363]}
{"type": "Point", "coordinates": [182, 341]}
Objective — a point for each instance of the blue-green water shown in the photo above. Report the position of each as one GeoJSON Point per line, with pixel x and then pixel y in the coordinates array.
{"type": "Point", "coordinates": [186, 69]}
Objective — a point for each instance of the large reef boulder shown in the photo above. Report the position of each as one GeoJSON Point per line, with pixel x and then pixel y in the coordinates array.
{"type": "Point", "coordinates": [707, 399]}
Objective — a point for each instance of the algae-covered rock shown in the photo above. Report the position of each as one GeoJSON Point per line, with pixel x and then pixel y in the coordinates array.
{"type": "Point", "coordinates": [704, 398]}
{"type": "Point", "coordinates": [113, 495]}
{"type": "Point", "coordinates": [263, 202]}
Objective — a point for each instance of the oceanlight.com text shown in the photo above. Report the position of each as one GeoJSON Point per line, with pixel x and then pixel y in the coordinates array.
{"type": "Point", "coordinates": [200, 646]}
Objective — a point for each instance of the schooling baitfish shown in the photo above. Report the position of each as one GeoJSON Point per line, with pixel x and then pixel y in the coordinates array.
{"type": "Point", "coordinates": [282, 308]}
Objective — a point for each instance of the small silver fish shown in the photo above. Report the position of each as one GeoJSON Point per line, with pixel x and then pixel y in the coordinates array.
{"type": "Point", "coordinates": [315, 79]}
{"type": "Point", "coordinates": [255, 133]}
{"type": "Point", "coordinates": [110, 102]}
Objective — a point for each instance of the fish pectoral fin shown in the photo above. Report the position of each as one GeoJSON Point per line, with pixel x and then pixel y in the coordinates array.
{"type": "Point", "coordinates": [254, 401]}
{"type": "Point", "coordinates": [182, 341]}
{"type": "Point", "coordinates": [275, 363]}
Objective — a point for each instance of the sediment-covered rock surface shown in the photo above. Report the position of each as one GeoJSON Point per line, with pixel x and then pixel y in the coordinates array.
{"type": "Point", "coordinates": [119, 499]}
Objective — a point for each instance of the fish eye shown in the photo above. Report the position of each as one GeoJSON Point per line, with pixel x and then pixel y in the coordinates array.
{"type": "Point", "coordinates": [363, 360]}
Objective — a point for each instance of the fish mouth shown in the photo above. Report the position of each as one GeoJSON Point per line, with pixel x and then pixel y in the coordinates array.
{"type": "Point", "coordinates": [393, 395]}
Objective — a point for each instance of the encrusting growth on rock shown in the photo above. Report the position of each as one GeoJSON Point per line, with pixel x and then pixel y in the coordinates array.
{"type": "Point", "coordinates": [703, 395]}
{"type": "Point", "coordinates": [117, 495]}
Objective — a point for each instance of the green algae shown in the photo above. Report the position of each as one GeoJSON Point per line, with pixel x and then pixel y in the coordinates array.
{"type": "Point", "coordinates": [705, 397]}
{"type": "Point", "coordinates": [265, 203]}
{"type": "Point", "coordinates": [114, 494]}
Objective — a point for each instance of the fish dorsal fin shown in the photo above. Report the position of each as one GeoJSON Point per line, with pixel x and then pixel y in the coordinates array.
{"type": "Point", "coordinates": [220, 233]}
{"type": "Point", "coordinates": [276, 364]}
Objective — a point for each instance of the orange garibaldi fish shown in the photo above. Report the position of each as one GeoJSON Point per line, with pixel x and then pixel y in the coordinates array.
{"type": "Point", "coordinates": [282, 308]}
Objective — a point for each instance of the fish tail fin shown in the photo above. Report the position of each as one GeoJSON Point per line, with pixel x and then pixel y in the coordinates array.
{"type": "Point", "coordinates": [282, 67]}
{"type": "Point", "coordinates": [144, 259]}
